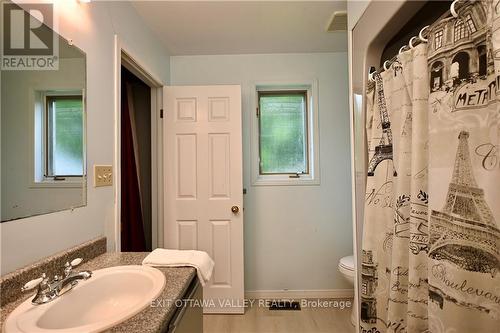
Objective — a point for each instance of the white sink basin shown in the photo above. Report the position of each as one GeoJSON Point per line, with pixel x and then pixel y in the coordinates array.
{"type": "Point", "coordinates": [109, 297]}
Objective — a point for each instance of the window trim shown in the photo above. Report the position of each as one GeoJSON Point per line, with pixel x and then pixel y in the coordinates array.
{"type": "Point", "coordinates": [47, 151]}
{"type": "Point", "coordinates": [313, 177]}
{"type": "Point", "coordinates": [38, 115]}
{"type": "Point", "coordinates": [304, 94]}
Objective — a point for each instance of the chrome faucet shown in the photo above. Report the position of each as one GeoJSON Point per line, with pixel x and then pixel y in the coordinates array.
{"type": "Point", "coordinates": [50, 290]}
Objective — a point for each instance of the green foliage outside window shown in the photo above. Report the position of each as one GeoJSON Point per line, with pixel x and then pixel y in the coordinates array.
{"type": "Point", "coordinates": [283, 133]}
{"type": "Point", "coordinates": [65, 139]}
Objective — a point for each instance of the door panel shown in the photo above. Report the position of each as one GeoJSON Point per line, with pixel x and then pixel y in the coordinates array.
{"type": "Point", "coordinates": [221, 245]}
{"type": "Point", "coordinates": [219, 173]}
{"type": "Point", "coordinates": [187, 233]}
{"type": "Point", "coordinates": [186, 166]}
{"type": "Point", "coordinates": [203, 181]}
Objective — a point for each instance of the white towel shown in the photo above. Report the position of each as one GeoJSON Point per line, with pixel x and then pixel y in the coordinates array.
{"type": "Point", "coordinates": [178, 258]}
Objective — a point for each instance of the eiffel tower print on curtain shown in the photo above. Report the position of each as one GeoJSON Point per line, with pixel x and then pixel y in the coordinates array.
{"type": "Point", "coordinates": [464, 233]}
{"type": "Point", "coordinates": [383, 151]}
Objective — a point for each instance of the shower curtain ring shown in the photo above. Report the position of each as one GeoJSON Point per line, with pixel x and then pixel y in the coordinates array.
{"type": "Point", "coordinates": [411, 42]}
{"type": "Point", "coordinates": [421, 34]}
{"type": "Point", "coordinates": [386, 65]}
{"type": "Point", "coordinates": [452, 9]}
{"type": "Point", "coordinates": [370, 76]}
{"type": "Point", "coordinates": [402, 49]}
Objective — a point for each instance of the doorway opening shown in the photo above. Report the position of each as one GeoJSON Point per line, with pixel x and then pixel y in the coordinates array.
{"type": "Point", "coordinates": [135, 158]}
{"type": "Point", "coordinates": [138, 156]}
{"type": "Point", "coordinates": [462, 58]}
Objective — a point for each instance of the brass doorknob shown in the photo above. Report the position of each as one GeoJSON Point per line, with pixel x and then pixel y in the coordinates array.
{"type": "Point", "coordinates": [235, 209]}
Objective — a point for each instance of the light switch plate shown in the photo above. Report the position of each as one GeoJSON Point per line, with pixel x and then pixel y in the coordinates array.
{"type": "Point", "coordinates": [103, 175]}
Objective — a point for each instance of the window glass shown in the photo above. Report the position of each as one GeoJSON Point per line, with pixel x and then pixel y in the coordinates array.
{"type": "Point", "coordinates": [438, 39]}
{"type": "Point", "coordinates": [460, 30]}
{"type": "Point", "coordinates": [470, 23]}
{"type": "Point", "coordinates": [64, 150]}
{"type": "Point", "coordinates": [283, 132]}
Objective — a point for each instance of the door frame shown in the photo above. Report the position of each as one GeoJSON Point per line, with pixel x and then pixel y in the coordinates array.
{"type": "Point", "coordinates": [124, 57]}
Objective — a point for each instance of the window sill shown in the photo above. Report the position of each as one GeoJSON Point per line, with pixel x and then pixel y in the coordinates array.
{"type": "Point", "coordinates": [72, 183]}
{"type": "Point", "coordinates": [285, 180]}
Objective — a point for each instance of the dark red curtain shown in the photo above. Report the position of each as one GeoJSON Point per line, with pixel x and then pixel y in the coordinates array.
{"type": "Point", "coordinates": [132, 230]}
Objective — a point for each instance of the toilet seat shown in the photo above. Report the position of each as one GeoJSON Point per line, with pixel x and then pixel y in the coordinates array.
{"type": "Point", "coordinates": [347, 263]}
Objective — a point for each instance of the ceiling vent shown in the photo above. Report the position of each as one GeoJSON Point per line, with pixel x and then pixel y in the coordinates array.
{"type": "Point", "coordinates": [338, 22]}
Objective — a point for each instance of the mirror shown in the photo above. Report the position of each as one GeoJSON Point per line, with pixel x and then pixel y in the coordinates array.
{"type": "Point", "coordinates": [43, 166]}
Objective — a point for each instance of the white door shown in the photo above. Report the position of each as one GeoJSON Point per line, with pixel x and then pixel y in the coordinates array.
{"type": "Point", "coordinates": [204, 185]}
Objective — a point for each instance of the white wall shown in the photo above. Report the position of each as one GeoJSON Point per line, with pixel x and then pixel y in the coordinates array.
{"type": "Point", "coordinates": [92, 28]}
{"type": "Point", "coordinates": [294, 235]}
{"type": "Point", "coordinates": [355, 9]}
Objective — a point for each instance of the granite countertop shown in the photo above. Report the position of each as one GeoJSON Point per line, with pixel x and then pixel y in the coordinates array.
{"type": "Point", "coordinates": [151, 319]}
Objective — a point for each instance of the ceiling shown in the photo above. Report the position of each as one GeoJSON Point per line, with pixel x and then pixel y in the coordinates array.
{"type": "Point", "coordinates": [244, 27]}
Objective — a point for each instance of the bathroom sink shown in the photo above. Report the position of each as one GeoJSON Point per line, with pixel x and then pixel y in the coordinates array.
{"type": "Point", "coordinates": [109, 297]}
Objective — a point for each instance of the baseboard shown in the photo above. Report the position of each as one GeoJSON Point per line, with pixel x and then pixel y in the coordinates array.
{"type": "Point", "coordinates": [299, 294]}
{"type": "Point", "coordinates": [224, 310]}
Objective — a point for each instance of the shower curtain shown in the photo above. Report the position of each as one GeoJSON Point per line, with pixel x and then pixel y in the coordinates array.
{"type": "Point", "coordinates": [430, 253]}
{"type": "Point", "coordinates": [132, 229]}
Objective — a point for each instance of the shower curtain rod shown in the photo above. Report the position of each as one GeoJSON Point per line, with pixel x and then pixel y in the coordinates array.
{"type": "Point", "coordinates": [414, 41]}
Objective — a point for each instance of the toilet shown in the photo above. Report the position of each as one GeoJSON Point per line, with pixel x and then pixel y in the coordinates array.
{"type": "Point", "coordinates": [346, 267]}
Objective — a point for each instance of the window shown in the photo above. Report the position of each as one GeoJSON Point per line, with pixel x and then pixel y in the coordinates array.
{"type": "Point", "coordinates": [283, 132]}
{"type": "Point", "coordinates": [460, 31]}
{"type": "Point", "coordinates": [470, 23]}
{"type": "Point", "coordinates": [438, 39]}
{"type": "Point", "coordinates": [63, 128]}
{"type": "Point", "coordinates": [436, 75]}
{"type": "Point", "coordinates": [285, 135]}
